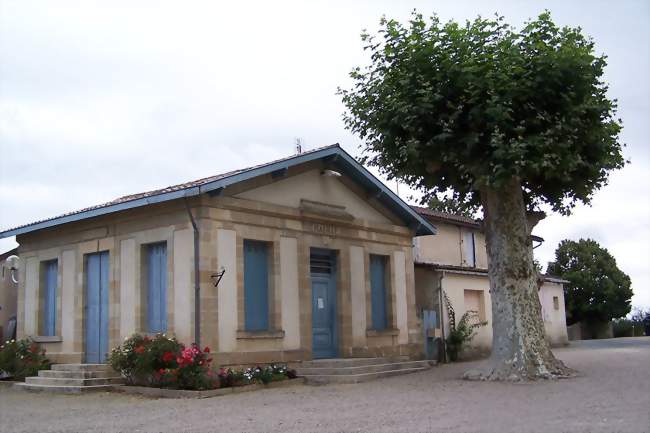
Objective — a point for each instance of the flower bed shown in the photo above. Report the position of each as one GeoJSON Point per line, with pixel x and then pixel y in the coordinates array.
{"type": "Point", "coordinates": [147, 391]}
{"type": "Point", "coordinates": [22, 358]}
{"type": "Point", "coordinates": [162, 362]}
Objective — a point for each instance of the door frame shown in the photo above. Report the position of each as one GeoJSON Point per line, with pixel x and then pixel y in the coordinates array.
{"type": "Point", "coordinates": [333, 291]}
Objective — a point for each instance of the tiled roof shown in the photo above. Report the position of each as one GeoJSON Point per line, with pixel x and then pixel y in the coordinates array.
{"type": "Point", "coordinates": [450, 217]}
{"type": "Point", "coordinates": [172, 188]}
{"type": "Point", "coordinates": [333, 153]}
{"type": "Point", "coordinates": [473, 270]}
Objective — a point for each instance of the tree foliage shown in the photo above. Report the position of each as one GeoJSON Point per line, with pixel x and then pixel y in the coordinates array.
{"type": "Point", "coordinates": [456, 108]}
{"type": "Point", "coordinates": [452, 206]}
{"type": "Point", "coordinates": [598, 290]}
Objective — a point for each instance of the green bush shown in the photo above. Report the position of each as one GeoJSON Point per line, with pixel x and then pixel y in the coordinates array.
{"type": "Point", "coordinates": [622, 328]}
{"type": "Point", "coordinates": [22, 358]}
{"type": "Point", "coordinates": [463, 333]}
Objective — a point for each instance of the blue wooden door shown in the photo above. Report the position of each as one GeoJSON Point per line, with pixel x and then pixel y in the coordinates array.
{"type": "Point", "coordinates": [256, 286]}
{"type": "Point", "coordinates": [49, 304]}
{"type": "Point", "coordinates": [378, 295]}
{"type": "Point", "coordinates": [429, 323]}
{"type": "Point", "coordinates": [96, 308]}
{"type": "Point", "coordinates": [323, 289]}
{"type": "Point", "coordinates": [157, 287]}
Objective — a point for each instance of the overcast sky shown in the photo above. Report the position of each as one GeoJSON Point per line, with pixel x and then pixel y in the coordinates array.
{"type": "Point", "coordinates": [102, 99]}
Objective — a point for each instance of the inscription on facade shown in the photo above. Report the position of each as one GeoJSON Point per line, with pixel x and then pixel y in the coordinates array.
{"type": "Point", "coordinates": [324, 229]}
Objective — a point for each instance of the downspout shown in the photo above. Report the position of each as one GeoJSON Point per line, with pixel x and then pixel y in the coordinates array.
{"type": "Point", "coordinates": [442, 318]}
{"type": "Point", "coordinates": [197, 286]}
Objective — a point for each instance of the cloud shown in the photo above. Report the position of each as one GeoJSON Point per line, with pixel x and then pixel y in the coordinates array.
{"type": "Point", "coordinates": [100, 99]}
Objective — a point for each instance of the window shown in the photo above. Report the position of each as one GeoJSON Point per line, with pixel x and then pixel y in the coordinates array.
{"type": "Point", "coordinates": [378, 292]}
{"type": "Point", "coordinates": [556, 302]}
{"type": "Point", "coordinates": [475, 301]}
{"type": "Point", "coordinates": [50, 272]}
{"type": "Point", "coordinates": [256, 285]}
{"type": "Point", "coordinates": [156, 287]}
{"type": "Point", "coordinates": [469, 248]}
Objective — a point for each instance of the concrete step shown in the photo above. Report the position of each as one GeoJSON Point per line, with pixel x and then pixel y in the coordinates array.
{"type": "Point", "coordinates": [374, 368]}
{"type": "Point", "coordinates": [63, 389]}
{"type": "Point", "coordinates": [323, 379]}
{"type": "Point", "coordinates": [65, 382]}
{"type": "Point", "coordinates": [81, 367]}
{"type": "Point", "coordinates": [63, 374]}
{"type": "Point", "coordinates": [343, 362]}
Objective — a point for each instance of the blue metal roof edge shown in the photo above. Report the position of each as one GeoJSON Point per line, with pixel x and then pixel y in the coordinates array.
{"type": "Point", "coordinates": [423, 227]}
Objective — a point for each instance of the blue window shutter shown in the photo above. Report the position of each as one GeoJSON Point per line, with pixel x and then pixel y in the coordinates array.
{"type": "Point", "coordinates": [157, 287]}
{"type": "Point", "coordinates": [378, 292]}
{"type": "Point", "coordinates": [49, 304]}
{"type": "Point", "coordinates": [256, 286]}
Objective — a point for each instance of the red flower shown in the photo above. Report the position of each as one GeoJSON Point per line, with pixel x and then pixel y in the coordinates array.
{"type": "Point", "coordinates": [139, 349]}
{"type": "Point", "coordinates": [207, 349]}
{"type": "Point", "coordinates": [168, 357]}
{"type": "Point", "coordinates": [161, 371]}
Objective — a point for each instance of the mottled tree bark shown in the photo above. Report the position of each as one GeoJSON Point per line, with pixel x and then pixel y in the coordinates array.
{"type": "Point", "coordinates": [519, 349]}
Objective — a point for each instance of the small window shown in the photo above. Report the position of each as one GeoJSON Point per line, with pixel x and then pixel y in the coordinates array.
{"type": "Point", "coordinates": [256, 285]}
{"type": "Point", "coordinates": [469, 248]}
{"type": "Point", "coordinates": [475, 301]}
{"type": "Point", "coordinates": [556, 302]}
{"type": "Point", "coordinates": [156, 287]}
{"type": "Point", "coordinates": [378, 292]}
{"type": "Point", "coordinates": [50, 273]}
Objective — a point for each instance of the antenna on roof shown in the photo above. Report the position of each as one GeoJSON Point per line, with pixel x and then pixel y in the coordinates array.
{"type": "Point", "coordinates": [298, 141]}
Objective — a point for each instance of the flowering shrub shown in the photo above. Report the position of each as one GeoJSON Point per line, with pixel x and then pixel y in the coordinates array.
{"type": "Point", "coordinates": [270, 373]}
{"type": "Point", "coordinates": [22, 358]}
{"type": "Point", "coordinates": [140, 356]}
{"type": "Point", "coordinates": [163, 362]}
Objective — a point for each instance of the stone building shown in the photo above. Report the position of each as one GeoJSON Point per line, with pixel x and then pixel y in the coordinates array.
{"type": "Point", "coordinates": [306, 257]}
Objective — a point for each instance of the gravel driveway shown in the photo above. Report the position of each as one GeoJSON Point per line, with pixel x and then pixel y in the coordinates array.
{"type": "Point", "coordinates": [612, 394]}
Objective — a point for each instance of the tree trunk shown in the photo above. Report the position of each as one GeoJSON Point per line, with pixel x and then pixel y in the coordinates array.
{"type": "Point", "coordinates": [519, 349]}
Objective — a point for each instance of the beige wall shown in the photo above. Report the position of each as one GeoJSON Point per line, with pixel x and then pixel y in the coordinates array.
{"type": "Point", "coordinates": [312, 186]}
{"type": "Point", "coordinates": [554, 318]}
{"type": "Point", "coordinates": [447, 246]}
{"type": "Point", "coordinates": [253, 211]}
{"type": "Point", "coordinates": [472, 292]}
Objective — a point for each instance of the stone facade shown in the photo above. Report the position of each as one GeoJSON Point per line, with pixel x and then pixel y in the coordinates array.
{"type": "Point", "coordinates": [293, 213]}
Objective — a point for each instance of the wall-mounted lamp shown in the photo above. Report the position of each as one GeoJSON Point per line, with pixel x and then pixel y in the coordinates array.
{"type": "Point", "coordinates": [13, 262]}
{"type": "Point", "coordinates": [330, 173]}
{"type": "Point", "coordinates": [218, 276]}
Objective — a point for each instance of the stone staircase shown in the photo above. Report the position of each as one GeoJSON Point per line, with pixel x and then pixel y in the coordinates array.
{"type": "Point", "coordinates": [356, 370]}
{"type": "Point", "coordinates": [73, 379]}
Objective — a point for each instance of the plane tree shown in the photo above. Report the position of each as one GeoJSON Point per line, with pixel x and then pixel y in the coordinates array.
{"type": "Point", "coordinates": [514, 121]}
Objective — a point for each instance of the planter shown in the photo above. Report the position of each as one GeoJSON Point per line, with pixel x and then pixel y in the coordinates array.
{"type": "Point", "coordinates": [147, 391]}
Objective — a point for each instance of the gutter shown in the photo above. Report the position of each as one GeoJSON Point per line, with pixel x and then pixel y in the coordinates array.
{"type": "Point", "coordinates": [197, 286]}
{"type": "Point", "coordinates": [442, 317]}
